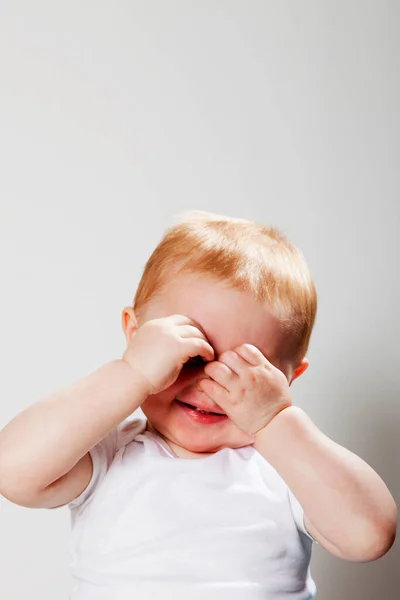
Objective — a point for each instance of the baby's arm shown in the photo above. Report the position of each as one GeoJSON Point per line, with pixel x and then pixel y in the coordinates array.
{"type": "Point", "coordinates": [44, 460]}
{"type": "Point", "coordinates": [347, 507]}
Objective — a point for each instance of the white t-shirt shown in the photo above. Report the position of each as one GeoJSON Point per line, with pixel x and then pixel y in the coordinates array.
{"type": "Point", "coordinates": [153, 526]}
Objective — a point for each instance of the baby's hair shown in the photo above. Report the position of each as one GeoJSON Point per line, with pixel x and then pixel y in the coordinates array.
{"type": "Point", "coordinates": [247, 255]}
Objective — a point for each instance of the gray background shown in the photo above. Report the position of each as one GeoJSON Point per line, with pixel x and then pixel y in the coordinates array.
{"type": "Point", "coordinates": [115, 116]}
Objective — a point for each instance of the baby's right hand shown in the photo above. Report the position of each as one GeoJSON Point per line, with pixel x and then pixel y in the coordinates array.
{"type": "Point", "coordinates": [159, 348]}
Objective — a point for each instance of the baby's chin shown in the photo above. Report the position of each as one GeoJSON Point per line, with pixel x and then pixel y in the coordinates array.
{"type": "Point", "coordinates": [200, 443]}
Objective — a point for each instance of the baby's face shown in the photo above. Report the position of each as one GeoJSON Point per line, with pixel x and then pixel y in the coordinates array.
{"type": "Point", "coordinates": [228, 318]}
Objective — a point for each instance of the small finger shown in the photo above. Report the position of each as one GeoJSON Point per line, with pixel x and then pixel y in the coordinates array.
{"type": "Point", "coordinates": [251, 354]}
{"type": "Point", "coordinates": [184, 320]}
{"type": "Point", "coordinates": [180, 319]}
{"type": "Point", "coordinates": [214, 391]}
{"type": "Point", "coordinates": [199, 347]}
{"type": "Point", "coordinates": [234, 361]}
{"type": "Point", "coordinates": [220, 373]}
{"type": "Point", "coordinates": [188, 331]}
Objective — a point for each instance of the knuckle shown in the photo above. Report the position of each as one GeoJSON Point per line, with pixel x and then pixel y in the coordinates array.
{"type": "Point", "coordinates": [227, 354]}
{"type": "Point", "coordinates": [246, 347]}
{"type": "Point", "coordinates": [253, 376]}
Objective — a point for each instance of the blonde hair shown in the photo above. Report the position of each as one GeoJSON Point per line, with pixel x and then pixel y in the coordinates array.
{"type": "Point", "coordinates": [247, 255]}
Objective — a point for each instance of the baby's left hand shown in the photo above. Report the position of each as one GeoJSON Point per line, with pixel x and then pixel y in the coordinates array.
{"type": "Point", "coordinates": [247, 387]}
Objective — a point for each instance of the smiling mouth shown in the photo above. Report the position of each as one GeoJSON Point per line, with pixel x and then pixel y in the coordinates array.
{"type": "Point", "coordinates": [204, 412]}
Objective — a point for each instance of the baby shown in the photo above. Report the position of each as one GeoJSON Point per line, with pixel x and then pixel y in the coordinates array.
{"type": "Point", "coordinates": [219, 493]}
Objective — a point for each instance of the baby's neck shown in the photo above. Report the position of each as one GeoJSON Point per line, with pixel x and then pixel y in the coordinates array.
{"type": "Point", "coordinates": [184, 453]}
{"type": "Point", "coordinates": [179, 451]}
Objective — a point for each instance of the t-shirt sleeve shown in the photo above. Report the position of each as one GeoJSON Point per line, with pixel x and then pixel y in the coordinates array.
{"type": "Point", "coordinates": [102, 455]}
{"type": "Point", "coordinates": [298, 514]}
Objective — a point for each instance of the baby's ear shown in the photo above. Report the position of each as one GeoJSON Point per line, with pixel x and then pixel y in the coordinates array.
{"type": "Point", "coordinates": [129, 322]}
{"type": "Point", "coordinates": [299, 370]}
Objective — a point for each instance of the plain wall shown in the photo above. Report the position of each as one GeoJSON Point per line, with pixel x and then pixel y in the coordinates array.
{"type": "Point", "coordinates": [114, 117]}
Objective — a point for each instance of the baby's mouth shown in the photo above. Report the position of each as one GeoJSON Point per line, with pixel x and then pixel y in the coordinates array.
{"type": "Point", "coordinates": [200, 410]}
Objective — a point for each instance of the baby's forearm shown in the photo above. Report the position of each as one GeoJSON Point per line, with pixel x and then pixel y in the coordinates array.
{"type": "Point", "coordinates": [347, 506]}
{"type": "Point", "coordinates": [47, 439]}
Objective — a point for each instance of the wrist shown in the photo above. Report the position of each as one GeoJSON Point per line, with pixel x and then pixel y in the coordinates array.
{"type": "Point", "coordinates": [289, 424]}
{"type": "Point", "coordinates": [135, 379]}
